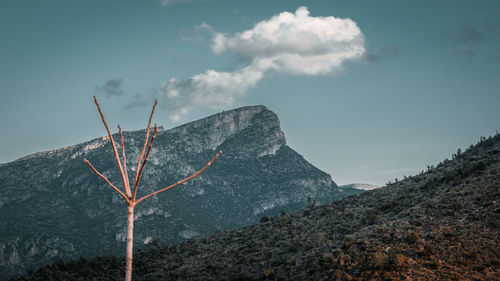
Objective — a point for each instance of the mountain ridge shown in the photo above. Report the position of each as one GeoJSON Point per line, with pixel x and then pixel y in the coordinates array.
{"type": "Point", "coordinates": [160, 129]}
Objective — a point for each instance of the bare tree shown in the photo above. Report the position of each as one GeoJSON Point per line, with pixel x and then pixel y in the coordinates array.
{"type": "Point", "coordinates": [130, 194]}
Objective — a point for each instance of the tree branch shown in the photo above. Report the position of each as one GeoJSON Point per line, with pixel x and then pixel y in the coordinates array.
{"type": "Point", "coordinates": [127, 190]}
{"type": "Point", "coordinates": [136, 185]}
{"type": "Point", "coordinates": [124, 158]}
{"type": "Point", "coordinates": [104, 178]}
{"type": "Point", "coordinates": [144, 148]}
{"type": "Point", "coordinates": [182, 181]}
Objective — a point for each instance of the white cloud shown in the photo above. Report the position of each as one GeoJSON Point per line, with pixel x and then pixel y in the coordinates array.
{"type": "Point", "coordinates": [210, 89]}
{"type": "Point", "coordinates": [290, 43]}
{"type": "Point", "coordinates": [297, 43]}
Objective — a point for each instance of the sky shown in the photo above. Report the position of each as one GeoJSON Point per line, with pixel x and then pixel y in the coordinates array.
{"type": "Point", "coordinates": [367, 91]}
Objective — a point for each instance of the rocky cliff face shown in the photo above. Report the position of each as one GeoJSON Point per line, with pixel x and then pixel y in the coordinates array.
{"type": "Point", "coordinates": [54, 207]}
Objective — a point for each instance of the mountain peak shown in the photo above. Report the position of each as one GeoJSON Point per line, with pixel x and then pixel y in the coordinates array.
{"type": "Point", "coordinates": [217, 128]}
{"type": "Point", "coordinates": [258, 125]}
{"type": "Point", "coordinates": [244, 113]}
{"type": "Point", "coordinates": [233, 120]}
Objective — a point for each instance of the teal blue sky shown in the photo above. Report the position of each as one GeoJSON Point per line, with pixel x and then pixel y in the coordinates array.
{"type": "Point", "coordinates": [428, 81]}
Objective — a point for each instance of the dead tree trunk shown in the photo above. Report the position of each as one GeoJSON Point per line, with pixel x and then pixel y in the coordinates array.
{"type": "Point", "coordinates": [130, 195]}
{"type": "Point", "coordinates": [130, 243]}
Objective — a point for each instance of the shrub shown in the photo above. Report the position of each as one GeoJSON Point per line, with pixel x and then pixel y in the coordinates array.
{"type": "Point", "coordinates": [378, 259]}
{"type": "Point", "coordinates": [412, 237]}
{"type": "Point", "coordinates": [400, 260]}
{"type": "Point", "coordinates": [428, 250]}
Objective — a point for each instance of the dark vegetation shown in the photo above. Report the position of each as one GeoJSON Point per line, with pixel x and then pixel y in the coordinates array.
{"type": "Point", "coordinates": [442, 224]}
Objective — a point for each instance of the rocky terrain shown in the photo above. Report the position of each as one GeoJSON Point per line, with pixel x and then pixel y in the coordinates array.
{"type": "Point", "coordinates": [443, 224]}
{"type": "Point", "coordinates": [54, 207]}
{"type": "Point", "coordinates": [362, 186]}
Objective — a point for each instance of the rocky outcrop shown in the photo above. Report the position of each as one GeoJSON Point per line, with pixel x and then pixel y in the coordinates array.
{"type": "Point", "coordinates": [361, 186]}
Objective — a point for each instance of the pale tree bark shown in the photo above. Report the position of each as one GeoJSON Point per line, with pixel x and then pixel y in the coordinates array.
{"type": "Point", "coordinates": [130, 243]}
{"type": "Point", "coordinates": [130, 195]}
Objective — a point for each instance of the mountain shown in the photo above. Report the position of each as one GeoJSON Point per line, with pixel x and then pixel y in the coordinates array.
{"type": "Point", "coordinates": [54, 207]}
{"type": "Point", "coordinates": [443, 224]}
{"type": "Point", "coordinates": [361, 186]}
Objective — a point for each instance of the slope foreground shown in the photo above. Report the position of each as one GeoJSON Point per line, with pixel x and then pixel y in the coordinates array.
{"type": "Point", "coordinates": [443, 224]}
{"type": "Point", "coordinates": [54, 207]}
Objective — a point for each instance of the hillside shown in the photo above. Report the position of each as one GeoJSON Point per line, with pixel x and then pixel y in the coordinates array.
{"type": "Point", "coordinates": [54, 207]}
{"type": "Point", "coordinates": [442, 224]}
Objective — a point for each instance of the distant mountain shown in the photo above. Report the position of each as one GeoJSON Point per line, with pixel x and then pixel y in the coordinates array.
{"type": "Point", "coordinates": [443, 224]}
{"type": "Point", "coordinates": [361, 186]}
{"type": "Point", "coordinates": [54, 207]}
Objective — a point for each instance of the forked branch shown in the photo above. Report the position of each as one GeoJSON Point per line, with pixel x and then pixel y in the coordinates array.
{"type": "Point", "coordinates": [136, 185]}
{"type": "Point", "coordinates": [136, 182]}
{"type": "Point", "coordinates": [127, 189]}
{"type": "Point", "coordinates": [182, 181]}
{"type": "Point", "coordinates": [105, 179]}
{"type": "Point", "coordinates": [124, 158]}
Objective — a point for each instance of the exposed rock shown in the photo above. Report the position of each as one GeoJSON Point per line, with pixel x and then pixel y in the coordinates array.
{"type": "Point", "coordinates": [361, 186]}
